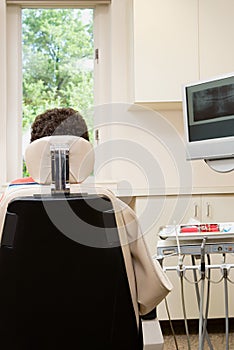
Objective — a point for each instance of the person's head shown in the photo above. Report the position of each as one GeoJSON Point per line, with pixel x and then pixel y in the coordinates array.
{"type": "Point", "coordinates": [59, 121]}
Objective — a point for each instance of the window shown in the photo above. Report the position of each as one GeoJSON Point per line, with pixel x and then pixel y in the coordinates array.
{"type": "Point", "coordinates": [57, 64]}
{"type": "Point", "coordinates": [112, 83]}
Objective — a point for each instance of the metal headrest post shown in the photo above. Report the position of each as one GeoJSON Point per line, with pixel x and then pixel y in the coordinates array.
{"type": "Point", "coordinates": [60, 169]}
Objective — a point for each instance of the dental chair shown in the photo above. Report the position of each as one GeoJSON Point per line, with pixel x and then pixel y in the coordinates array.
{"type": "Point", "coordinates": [63, 280]}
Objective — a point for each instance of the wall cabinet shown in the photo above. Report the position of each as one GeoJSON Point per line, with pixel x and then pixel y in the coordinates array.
{"type": "Point", "coordinates": [211, 208]}
{"type": "Point", "coordinates": [180, 42]}
{"type": "Point", "coordinates": [154, 212]}
{"type": "Point", "coordinates": [216, 33]}
{"type": "Point", "coordinates": [165, 48]}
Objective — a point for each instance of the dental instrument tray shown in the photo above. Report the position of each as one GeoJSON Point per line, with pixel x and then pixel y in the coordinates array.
{"type": "Point", "coordinates": [198, 231]}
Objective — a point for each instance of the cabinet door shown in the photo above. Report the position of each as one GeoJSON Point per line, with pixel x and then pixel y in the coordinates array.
{"type": "Point", "coordinates": [217, 295]}
{"type": "Point", "coordinates": [174, 298]}
{"type": "Point", "coordinates": [156, 211]}
{"type": "Point", "coordinates": [218, 208]}
{"type": "Point", "coordinates": [210, 208]}
{"type": "Point", "coordinates": [216, 35]}
{"type": "Point", "coordinates": [165, 48]}
{"type": "Point", "coordinates": [194, 210]}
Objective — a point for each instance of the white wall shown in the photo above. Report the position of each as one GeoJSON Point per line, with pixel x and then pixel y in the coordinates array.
{"type": "Point", "coordinates": [143, 152]}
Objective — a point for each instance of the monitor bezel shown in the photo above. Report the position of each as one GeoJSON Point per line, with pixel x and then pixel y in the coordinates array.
{"type": "Point", "coordinates": [216, 148]}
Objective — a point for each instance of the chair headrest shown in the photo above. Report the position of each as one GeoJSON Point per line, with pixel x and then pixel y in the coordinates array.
{"type": "Point", "coordinates": [38, 158]}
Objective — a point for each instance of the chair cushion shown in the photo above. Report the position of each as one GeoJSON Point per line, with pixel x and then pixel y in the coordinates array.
{"type": "Point", "coordinates": [81, 158]}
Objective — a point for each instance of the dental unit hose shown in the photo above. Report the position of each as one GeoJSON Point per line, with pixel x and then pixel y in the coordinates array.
{"type": "Point", "coordinates": [203, 264]}
{"type": "Point", "coordinates": [203, 275]}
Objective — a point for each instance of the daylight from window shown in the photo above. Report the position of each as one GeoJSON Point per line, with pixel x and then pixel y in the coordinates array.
{"type": "Point", "coordinates": [57, 47]}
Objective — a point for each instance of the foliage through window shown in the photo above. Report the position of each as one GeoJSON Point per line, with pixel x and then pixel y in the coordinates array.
{"type": "Point", "coordinates": [57, 46]}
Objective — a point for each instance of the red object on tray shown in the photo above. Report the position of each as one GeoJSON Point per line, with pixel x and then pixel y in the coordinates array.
{"type": "Point", "coordinates": [199, 228]}
{"type": "Point", "coordinates": [209, 228]}
{"type": "Point", "coordinates": [186, 229]}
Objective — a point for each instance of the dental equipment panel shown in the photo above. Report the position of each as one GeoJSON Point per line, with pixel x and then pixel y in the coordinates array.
{"type": "Point", "coordinates": [199, 240]}
{"type": "Point", "coordinates": [198, 231]}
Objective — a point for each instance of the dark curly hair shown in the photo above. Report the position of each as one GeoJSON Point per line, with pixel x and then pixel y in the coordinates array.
{"type": "Point", "coordinates": [59, 121]}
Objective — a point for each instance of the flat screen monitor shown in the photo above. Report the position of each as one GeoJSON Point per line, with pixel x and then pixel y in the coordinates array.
{"type": "Point", "coordinates": [208, 110]}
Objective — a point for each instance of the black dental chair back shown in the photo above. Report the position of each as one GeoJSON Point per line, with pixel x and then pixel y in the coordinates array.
{"type": "Point", "coordinates": [63, 282]}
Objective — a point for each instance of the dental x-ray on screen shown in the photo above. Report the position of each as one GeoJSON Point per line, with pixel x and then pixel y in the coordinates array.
{"type": "Point", "coordinates": [208, 109]}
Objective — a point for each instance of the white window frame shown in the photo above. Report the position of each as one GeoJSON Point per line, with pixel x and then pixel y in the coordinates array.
{"type": "Point", "coordinates": [113, 38]}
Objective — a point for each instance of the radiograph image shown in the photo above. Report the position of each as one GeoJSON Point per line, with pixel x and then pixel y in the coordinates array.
{"type": "Point", "coordinates": [213, 102]}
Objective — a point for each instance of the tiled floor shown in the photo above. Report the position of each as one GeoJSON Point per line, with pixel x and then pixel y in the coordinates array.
{"type": "Point", "coordinates": [216, 330]}
{"type": "Point", "coordinates": [218, 342]}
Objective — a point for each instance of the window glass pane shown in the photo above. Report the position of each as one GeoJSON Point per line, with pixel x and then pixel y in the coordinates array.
{"type": "Point", "coordinates": [57, 46]}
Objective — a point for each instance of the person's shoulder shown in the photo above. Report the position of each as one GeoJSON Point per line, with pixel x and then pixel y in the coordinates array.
{"type": "Point", "coordinates": [16, 185]}
{"type": "Point", "coordinates": [22, 181]}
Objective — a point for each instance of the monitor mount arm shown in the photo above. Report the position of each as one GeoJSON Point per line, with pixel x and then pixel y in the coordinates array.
{"type": "Point", "coordinates": [224, 165]}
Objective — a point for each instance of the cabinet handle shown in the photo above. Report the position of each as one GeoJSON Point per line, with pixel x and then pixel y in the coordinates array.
{"type": "Point", "coordinates": [195, 210]}
{"type": "Point", "coordinates": [208, 209]}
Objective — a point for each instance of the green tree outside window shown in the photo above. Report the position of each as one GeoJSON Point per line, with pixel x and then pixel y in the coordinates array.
{"type": "Point", "coordinates": [58, 52]}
